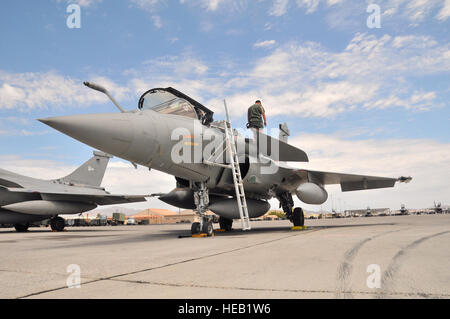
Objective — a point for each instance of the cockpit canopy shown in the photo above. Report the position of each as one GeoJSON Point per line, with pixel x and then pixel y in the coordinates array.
{"type": "Point", "coordinates": [171, 101]}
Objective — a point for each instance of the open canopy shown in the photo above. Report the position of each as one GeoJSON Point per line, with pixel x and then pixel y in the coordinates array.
{"type": "Point", "coordinates": [171, 101]}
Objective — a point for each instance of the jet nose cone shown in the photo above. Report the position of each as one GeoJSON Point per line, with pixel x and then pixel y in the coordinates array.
{"type": "Point", "coordinates": [47, 120]}
{"type": "Point", "coordinates": [112, 132]}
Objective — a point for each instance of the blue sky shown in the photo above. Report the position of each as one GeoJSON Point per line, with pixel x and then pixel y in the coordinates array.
{"type": "Point", "coordinates": [357, 99]}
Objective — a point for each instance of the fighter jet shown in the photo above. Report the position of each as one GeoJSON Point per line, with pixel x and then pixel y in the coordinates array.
{"type": "Point", "coordinates": [24, 200]}
{"type": "Point", "coordinates": [175, 134]}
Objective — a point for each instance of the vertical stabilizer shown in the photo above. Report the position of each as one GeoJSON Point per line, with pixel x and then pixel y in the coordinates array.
{"type": "Point", "coordinates": [284, 132]}
{"type": "Point", "coordinates": [90, 173]}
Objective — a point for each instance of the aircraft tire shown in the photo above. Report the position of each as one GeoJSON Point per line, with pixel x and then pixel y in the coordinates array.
{"type": "Point", "coordinates": [20, 228]}
{"type": "Point", "coordinates": [57, 224]}
{"type": "Point", "coordinates": [208, 228]}
{"type": "Point", "coordinates": [195, 228]}
{"type": "Point", "coordinates": [298, 217]}
{"type": "Point", "coordinates": [225, 223]}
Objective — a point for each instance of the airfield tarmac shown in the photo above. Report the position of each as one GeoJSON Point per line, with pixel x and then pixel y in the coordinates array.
{"type": "Point", "coordinates": [327, 260]}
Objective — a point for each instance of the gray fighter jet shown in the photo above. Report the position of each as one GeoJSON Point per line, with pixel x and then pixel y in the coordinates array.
{"type": "Point", "coordinates": [24, 199]}
{"type": "Point", "coordinates": [175, 134]}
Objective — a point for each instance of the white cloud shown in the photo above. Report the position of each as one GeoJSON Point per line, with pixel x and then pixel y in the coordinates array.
{"type": "Point", "coordinates": [213, 5]}
{"type": "Point", "coordinates": [413, 41]}
{"type": "Point", "coordinates": [349, 14]}
{"type": "Point", "coordinates": [82, 3]}
{"type": "Point", "coordinates": [264, 44]}
{"type": "Point", "coordinates": [311, 5]}
{"type": "Point", "coordinates": [445, 11]}
{"type": "Point", "coordinates": [151, 6]}
{"type": "Point", "coordinates": [148, 5]}
{"type": "Point", "coordinates": [418, 101]}
{"type": "Point", "coordinates": [303, 79]}
{"type": "Point", "coordinates": [25, 91]}
{"type": "Point", "coordinates": [10, 96]}
{"type": "Point", "coordinates": [279, 7]}
{"type": "Point", "coordinates": [308, 80]}
{"type": "Point", "coordinates": [157, 21]}
{"type": "Point", "coordinates": [185, 64]}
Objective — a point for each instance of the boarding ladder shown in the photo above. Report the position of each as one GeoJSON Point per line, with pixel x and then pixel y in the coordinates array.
{"type": "Point", "coordinates": [235, 170]}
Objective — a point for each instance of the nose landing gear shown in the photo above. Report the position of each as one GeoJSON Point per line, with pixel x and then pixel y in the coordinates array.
{"type": "Point", "coordinates": [201, 200]}
{"type": "Point", "coordinates": [206, 228]}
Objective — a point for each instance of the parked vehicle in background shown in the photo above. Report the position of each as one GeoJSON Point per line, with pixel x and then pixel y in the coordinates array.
{"type": "Point", "coordinates": [118, 219]}
{"type": "Point", "coordinates": [131, 221]}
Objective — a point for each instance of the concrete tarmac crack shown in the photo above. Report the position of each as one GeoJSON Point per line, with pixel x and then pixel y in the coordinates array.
{"type": "Point", "coordinates": [174, 263]}
{"type": "Point", "coordinates": [389, 275]}
{"type": "Point", "coordinates": [157, 283]}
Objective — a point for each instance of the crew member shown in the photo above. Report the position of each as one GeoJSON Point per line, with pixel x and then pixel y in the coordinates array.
{"type": "Point", "coordinates": [256, 117]}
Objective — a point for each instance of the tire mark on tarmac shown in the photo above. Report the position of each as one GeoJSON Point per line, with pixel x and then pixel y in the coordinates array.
{"type": "Point", "coordinates": [309, 231]}
{"type": "Point", "coordinates": [388, 277]}
{"type": "Point", "coordinates": [345, 267]}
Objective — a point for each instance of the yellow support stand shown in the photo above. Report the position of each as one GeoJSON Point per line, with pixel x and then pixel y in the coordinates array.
{"type": "Point", "coordinates": [202, 235]}
{"type": "Point", "coordinates": [298, 227]}
{"type": "Point", "coordinates": [199, 235]}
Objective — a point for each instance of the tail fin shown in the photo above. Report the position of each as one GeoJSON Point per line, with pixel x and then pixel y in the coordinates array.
{"type": "Point", "coordinates": [284, 132]}
{"type": "Point", "coordinates": [90, 173]}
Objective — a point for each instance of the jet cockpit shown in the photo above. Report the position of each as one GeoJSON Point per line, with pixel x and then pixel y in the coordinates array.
{"type": "Point", "coordinates": [171, 101]}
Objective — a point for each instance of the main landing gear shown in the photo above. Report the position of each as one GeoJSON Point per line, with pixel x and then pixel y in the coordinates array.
{"type": "Point", "coordinates": [57, 224]}
{"type": "Point", "coordinates": [295, 215]}
{"type": "Point", "coordinates": [201, 200]}
{"type": "Point", "coordinates": [225, 224]}
{"type": "Point", "coordinates": [20, 228]}
{"type": "Point", "coordinates": [298, 218]}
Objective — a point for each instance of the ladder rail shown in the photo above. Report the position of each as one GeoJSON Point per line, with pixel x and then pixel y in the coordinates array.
{"type": "Point", "coordinates": [236, 172]}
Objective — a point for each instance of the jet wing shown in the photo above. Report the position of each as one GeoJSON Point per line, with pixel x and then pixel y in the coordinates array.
{"type": "Point", "coordinates": [115, 199]}
{"type": "Point", "coordinates": [350, 182]}
{"type": "Point", "coordinates": [98, 199]}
